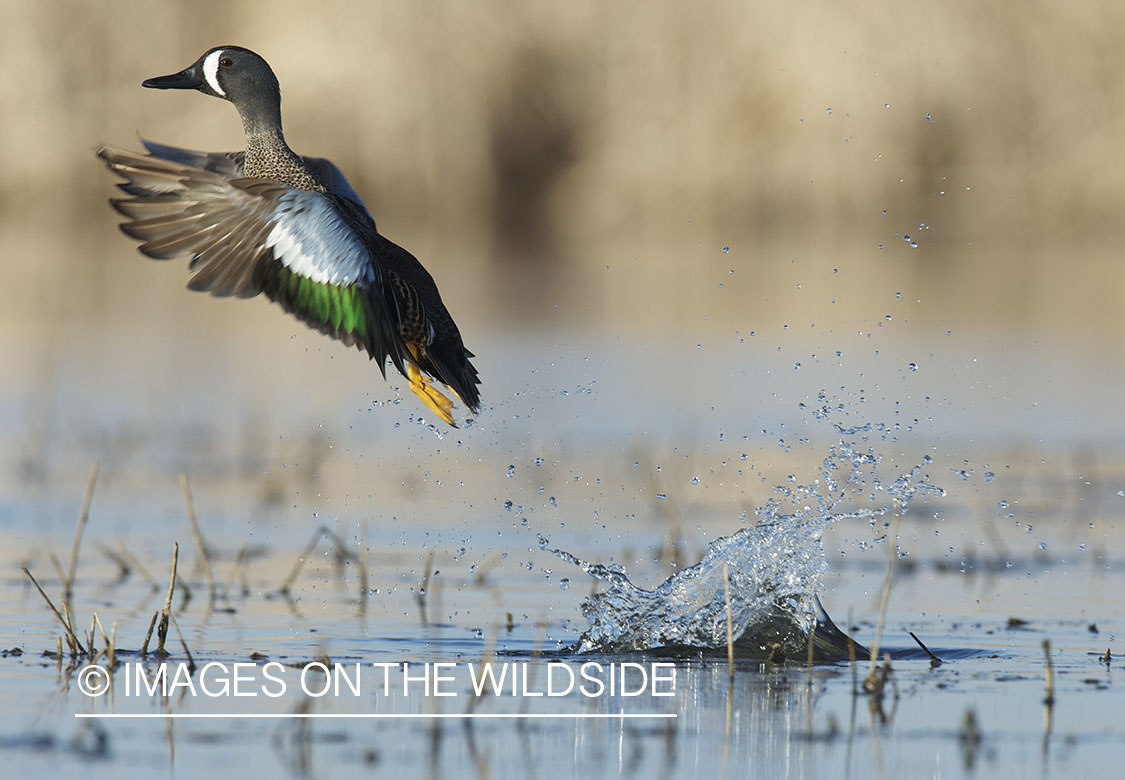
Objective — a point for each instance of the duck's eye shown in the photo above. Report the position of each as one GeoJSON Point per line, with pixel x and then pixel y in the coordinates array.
{"type": "Point", "coordinates": [226, 62]}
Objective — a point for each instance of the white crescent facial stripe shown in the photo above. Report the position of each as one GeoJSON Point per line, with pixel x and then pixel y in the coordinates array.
{"type": "Point", "coordinates": [311, 240]}
{"type": "Point", "coordinates": [211, 71]}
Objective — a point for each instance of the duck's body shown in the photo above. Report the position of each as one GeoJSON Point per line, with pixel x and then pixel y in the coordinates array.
{"type": "Point", "coordinates": [270, 221]}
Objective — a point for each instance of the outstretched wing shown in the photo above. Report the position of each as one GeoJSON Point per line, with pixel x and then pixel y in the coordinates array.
{"type": "Point", "coordinates": [250, 236]}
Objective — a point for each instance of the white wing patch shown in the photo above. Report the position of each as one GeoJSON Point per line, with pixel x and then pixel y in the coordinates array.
{"type": "Point", "coordinates": [211, 71]}
{"type": "Point", "coordinates": [311, 239]}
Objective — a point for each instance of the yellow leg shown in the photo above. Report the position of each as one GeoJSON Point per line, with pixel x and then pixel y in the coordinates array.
{"type": "Point", "coordinates": [422, 386]}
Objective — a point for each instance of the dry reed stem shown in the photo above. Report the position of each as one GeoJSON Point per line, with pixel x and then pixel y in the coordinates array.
{"type": "Point", "coordinates": [809, 656]}
{"type": "Point", "coordinates": [135, 563]}
{"type": "Point", "coordinates": [101, 628]}
{"type": "Point", "coordinates": [342, 552]}
{"type": "Point", "coordinates": [1050, 700]}
{"type": "Point", "coordinates": [301, 558]}
{"type": "Point", "coordinates": [852, 663]}
{"type": "Point", "coordinates": [166, 613]}
{"type": "Point", "coordinates": [238, 561]}
{"type": "Point", "coordinates": [891, 543]}
{"type": "Point", "coordinates": [123, 567]}
{"type": "Point", "coordinates": [486, 566]}
{"type": "Point", "coordinates": [58, 569]}
{"type": "Point", "coordinates": [730, 621]}
{"type": "Point", "coordinates": [183, 644]}
{"type": "Point", "coordinates": [196, 537]}
{"type": "Point", "coordinates": [148, 634]}
{"type": "Point", "coordinates": [71, 640]}
{"type": "Point", "coordinates": [68, 584]}
{"type": "Point", "coordinates": [934, 660]}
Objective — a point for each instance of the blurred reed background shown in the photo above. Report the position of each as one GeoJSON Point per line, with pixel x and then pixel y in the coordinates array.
{"type": "Point", "coordinates": [656, 173]}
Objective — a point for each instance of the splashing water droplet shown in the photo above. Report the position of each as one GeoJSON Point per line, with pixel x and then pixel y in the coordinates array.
{"type": "Point", "coordinates": [771, 570]}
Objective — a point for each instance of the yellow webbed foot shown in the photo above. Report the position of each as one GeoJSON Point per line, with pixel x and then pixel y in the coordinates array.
{"type": "Point", "coordinates": [421, 385]}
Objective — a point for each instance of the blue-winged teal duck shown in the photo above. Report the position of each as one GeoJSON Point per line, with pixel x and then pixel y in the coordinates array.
{"type": "Point", "coordinates": [270, 221]}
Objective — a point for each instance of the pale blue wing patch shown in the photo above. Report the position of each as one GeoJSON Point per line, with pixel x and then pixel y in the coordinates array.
{"type": "Point", "coordinates": [311, 239]}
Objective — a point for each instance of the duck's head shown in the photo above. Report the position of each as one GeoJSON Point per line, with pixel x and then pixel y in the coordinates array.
{"type": "Point", "coordinates": [235, 74]}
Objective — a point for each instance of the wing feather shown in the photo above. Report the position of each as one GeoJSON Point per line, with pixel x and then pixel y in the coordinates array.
{"type": "Point", "coordinates": [303, 249]}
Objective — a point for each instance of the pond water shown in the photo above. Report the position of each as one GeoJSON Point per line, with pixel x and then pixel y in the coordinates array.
{"type": "Point", "coordinates": [477, 546]}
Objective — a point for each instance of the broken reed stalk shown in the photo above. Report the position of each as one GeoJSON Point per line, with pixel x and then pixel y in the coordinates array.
{"type": "Point", "coordinates": [90, 641]}
{"type": "Point", "coordinates": [812, 636]}
{"type": "Point", "coordinates": [148, 634]}
{"type": "Point", "coordinates": [196, 537]}
{"type": "Point", "coordinates": [891, 542]}
{"type": "Point", "coordinates": [105, 639]}
{"type": "Point", "coordinates": [69, 622]}
{"type": "Point", "coordinates": [58, 569]}
{"type": "Point", "coordinates": [853, 665]}
{"type": "Point", "coordinates": [183, 644]}
{"type": "Point", "coordinates": [68, 584]}
{"type": "Point", "coordinates": [425, 587]}
{"type": "Point", "coordinates": [166, 613]}
{"type": "Point", "coordinates": [238, 561]}
{"type": "Point", "coordinates": [730, 621]}
{"type": "Point", "coordinates": [342, 552]}
{"type": "Point", "coordinates": [934, 660]}
{"type": "Point", "coordinates": [135, 563]}
{"type": "Point", "coordinates": [300, 564]}
{"type": "Point", "coordinates": [1050, 700]}
{"type": "Point", "coordinates": [71, 640]}
{"type": "Point", "coordinates": [487, 565]}
{"type": "Point", "coordinates": [123, 567]}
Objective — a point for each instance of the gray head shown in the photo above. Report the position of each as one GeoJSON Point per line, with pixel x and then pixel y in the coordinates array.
{"type": "Point", "coordinates": [235, 74]}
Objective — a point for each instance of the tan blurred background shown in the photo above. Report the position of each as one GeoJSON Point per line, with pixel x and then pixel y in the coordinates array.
{"type": "Point", "coordinates": [655, 176]}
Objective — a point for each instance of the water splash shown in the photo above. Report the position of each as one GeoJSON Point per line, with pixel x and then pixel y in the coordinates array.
{"type": "Point", "coordinates": [774, 567]}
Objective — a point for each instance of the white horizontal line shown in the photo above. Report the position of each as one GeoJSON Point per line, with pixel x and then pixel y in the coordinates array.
{"type": "Point", "coordinates": [370, 715]}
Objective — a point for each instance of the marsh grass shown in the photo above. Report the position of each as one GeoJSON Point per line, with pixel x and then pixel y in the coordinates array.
{"type": "Point", "coordinates": [342, 554]}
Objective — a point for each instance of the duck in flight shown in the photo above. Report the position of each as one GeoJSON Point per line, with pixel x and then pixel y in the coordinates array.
{"type": "Point", "coordinates": [270, 221]}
